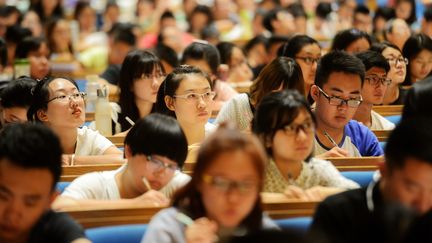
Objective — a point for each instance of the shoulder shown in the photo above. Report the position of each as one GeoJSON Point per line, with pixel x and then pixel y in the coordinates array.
{"type": "Point", "coordinates": [350, 198]}
{"type": "Point", "coordinates": [164, 227]}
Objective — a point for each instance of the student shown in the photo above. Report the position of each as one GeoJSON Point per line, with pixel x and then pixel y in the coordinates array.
{"type": "Point", "coordinates": [426, 23]}
{"type": "Point", "coordinates": [155, 149]}
{"type": "Point", "coordinates": [58, 104]}
{"type": "Point", "coordinates": [355, 216]}
{"type": "Point", "coordinates": [351, 41]}
{"type": "Point", "coordinates": [222, 197]}
{"type": "Point", "coordinates": [397, 32]}
{"type": "Point", "coordinates": [337, 95]}
{"type": "Point", "coordinates": [37, 52]}
{"type": "Point", "coordinates": [395, 94]}
{"type": "Point", "coordinates": [239, 73]}
{"type": "Point", "coordinates": [373, 90]}
{"type": "Point", "coordinates": [418, 51]}
{"type": "Point", "coordinates": [418, 100]}
{"type": "Point", "coordinates": [186, 94]}
{"type": "Point", "coordinates": [206, 57]}
{"type": "Point", "coordinates": [30, 167]}
{"type": "Point", "coordinates": [282, 73]}
{"type": "Point", "coordinates": [285, 125]}
{"type": "Point", "coordinates": [16, 98]}
{"type": "Point", "coordinates": [307, 52]}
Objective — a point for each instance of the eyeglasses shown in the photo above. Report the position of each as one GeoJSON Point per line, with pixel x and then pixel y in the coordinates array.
{"type": "Point", "coordinates": [193, 97]}
{"type": "Point", "coordinates": [374, 80]}
{"type": "Point", "coordinates": [336, 101]}
{"type": "Point", "coordinates": [309, 60]}
{"type": "Point", "coordinates": [159, 77]}
{"type": "Point", "coordinates": [156, 165]}
{"type": "Point", "coordinates": [225, 185]}
{"type": "Point", "coordinates": [66, 98]}
{"type": "Point", "coordinates": [395, 61]}
{"type": "Point", "coordinates": [294, 129]}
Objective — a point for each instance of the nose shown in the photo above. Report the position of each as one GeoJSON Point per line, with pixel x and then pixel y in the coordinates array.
{"type": "Point", "coordinates": [155, 83]}
{"type": "Point", "coordinates": [233, 195]}
{"type": "Point", "coordinates": [423, 203]}
{"type": "Point", "coordinates": [301, 134]}
{"type": "Point", "coordinates": [201, 102]}
{"type": "Point", "coordinates": [13, 213]}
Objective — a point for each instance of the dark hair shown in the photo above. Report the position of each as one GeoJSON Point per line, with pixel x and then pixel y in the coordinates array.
{"type": "Point", "coordinates": [418, 100]}
{"type": "Point", "coordinates": [201, 9]}
{"type": "Point", "coordinates": [338, 61]}
{"type": "Point", "coordinates": [205, 52]}
{"type": "Point", "coordinates": [292, 47]}
{"type": "Point", "coordinates": [32, 146]}
{"type": "Point", "coordinates": [410, 139]}
{"type": "Point", "coordinates": [275, 111]}
{"type": "Point", "coordinates": [259, 39]}
{"type": "Point", "coordinates": [427, 14]}
{"type": "Point", "coordinates": [282, 71]}
{"type": "Point", "coordinates": [158, 134]}
{"type": "Point", "coordinates": [276, 39]}
{"type": "Point", "coordinates": [372, 59]}
{"type": "Point", "coordinates": [225, 140]}
{"type": "Point", "coordinates": [362, 9]}
{"type": "Point", "coordinates": [39, 9]}
{"type": "Point", "coordinates": [123, 32]}
{"type": "Point", "coordinates": [80, 6]}
{"type": "Point", "coordinates": [412, 47]}
{"type": "Point", "coordinates": [167, 54]}
{"type": "Point", "coordinates": [41, 95]}
{"type": "Point", "coordinates": [385, 12]}
{"type": "Point", "coordinates": [50, 26]}
{"type": "Point", "coordinates": [171, 83]}
{"type": "Point", "coordinates": [27, 45]}
{"type": "Point", "coordinates": [413, 16]}
{"type": "Point", "coordinates": [17, 93]}
{"type": "Point", "coordinates": [135, 64]}
{"type": "Point", "coordinates": [225, 50]}
{"type": "Point", "coordinates": [270, 16]}
{"type": "Point", "coordinates": [380, 47]}
{"type": "Point", "coordinates": [345, 37]}
{"type": "Point", "coordinates": [3, 53]}
{"type": "Point", "coordinates": [297, 10]}
{"type": "Point", "coordinates": [16, 33]}
{"type": "Point", "coordinates": [323, 10]}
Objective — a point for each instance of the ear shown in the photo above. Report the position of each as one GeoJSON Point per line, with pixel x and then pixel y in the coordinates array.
{"type": "Point", "coordinates": [41, 115]}
{"type": "Point", "coordinates": [127, 151]}
{"type": "Point", "coordinates": [268, 142]}
{"type": "Point", "coordinates": [169, 102]}
{"type": "Point", "coordinates": [314, 92]}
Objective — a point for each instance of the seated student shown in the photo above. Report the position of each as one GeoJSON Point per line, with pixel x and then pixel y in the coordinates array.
{"type": "Point", "coordinates": [206, 57]}
{"type": "Point", "coordinates": [418, 50]}
{"type": "Point", "coordinates": [58, 104]}
{"type": "Point", "coordinates": [223, 196]}
{"type": "Point", "coordinates": [239, 73]}
{"type": "Point", "coordinates": [285, 125]}
{"type": "Point", "coordinates": [282, 73]}
{"type": "Point", "coordinates": [354, 216]}
{"type": "Point", "coordinates": [373, 91]}
{"type": "Point", "coordinates": [36, 50]}
{"type": "Point", "coordinates": [155, 149]}
{"type": "Point", "coordinates": [418, 100]}
{"type": "Point", "coordinates": [352, 41]}
{"type": "Point", "coordinates": [337, 94]}
{"type": "Point", "coordinates": [16, 98]}
{"type": "Point", "coordinates": [186, 94]}
{"type": "Point", "coordinates": [30, 167]}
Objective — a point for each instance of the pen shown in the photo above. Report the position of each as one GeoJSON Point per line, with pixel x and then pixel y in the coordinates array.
{"type": "Point", "coordinates": [130, 121]}
{"type": "Point", "coordinates": [184, 218]}
{"type": "Point", "coordinates": [330, 139]}
{"type": "Point", "coordinates": [146, 183]}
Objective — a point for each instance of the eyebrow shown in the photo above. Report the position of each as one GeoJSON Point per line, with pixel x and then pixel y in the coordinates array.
{"type": "Point", "coordinates": [195, 90]}
{"type": "Point", "coordinates": [5, 190]}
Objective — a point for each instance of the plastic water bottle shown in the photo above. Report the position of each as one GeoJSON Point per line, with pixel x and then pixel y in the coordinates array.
{"type": "Point", "coordinates": [91, 88]}
{"type": "Point", "coordinates": [21, 67]}
{"type": "Point", "coordinates": [103, 112]}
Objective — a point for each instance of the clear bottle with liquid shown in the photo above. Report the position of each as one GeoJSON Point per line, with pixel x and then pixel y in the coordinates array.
{"type": "Point", "coordinates": [103, 112]}
{"type": "Point", "coordinates": [92, 86]}
{"type": "Point", "coordinates": [21, 67]}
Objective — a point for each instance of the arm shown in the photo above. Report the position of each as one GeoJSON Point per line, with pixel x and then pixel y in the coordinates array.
{"type": "Point", "coordinates": [111, 156]}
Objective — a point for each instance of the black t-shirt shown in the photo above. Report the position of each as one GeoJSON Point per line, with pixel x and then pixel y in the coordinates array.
{"type": "Point", "coordinates": [56, 227]}
{"type": "Point", "coordinates": [112, 74]}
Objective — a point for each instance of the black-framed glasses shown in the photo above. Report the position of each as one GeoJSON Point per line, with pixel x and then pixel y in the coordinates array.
{"type": "Point", "coordinates": [293, 129]}
{"type": "Point", "coordinates": [225, 185]}
{"type": "Point", "coordinates": [309, 60]}
{"type": "Point", "coordinates": [336, 101]}
{"type": "Point", "coordinates": [395, 61]}
{"type": "Point", "coordinates": [66, 98]}
{"type": "Point", "coordinates": [375, 80]}
{"type": "Point", "coordinates": [157, 165]}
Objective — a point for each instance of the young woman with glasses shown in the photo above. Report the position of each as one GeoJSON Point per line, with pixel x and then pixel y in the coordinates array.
{"type": "Point", "coordinates": [59, 104]}
{"type": "Point", "coordinates": [150, 176]}
{"type": "Point", "coordinates": [286, 127]}
{"type": "Point", "coordinates": [223, 197]}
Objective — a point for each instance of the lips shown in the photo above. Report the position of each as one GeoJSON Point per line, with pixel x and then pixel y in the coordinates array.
{"type": "Point", "coordinates": [203, 113]}
{"type": "Point", "coordinates": [77, 112]}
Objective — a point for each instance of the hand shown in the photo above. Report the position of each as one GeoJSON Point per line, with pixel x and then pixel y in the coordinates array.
{"type": "Point", "coordinates": [334, 152]}
{"type": "Point", "coordinates": [67, 159]}
{"type": "Point", "coordinates": [311, 194]}
{"type": "Point", "coordinates": [202, 230]}
{"type": "Point", "coordinates": [154, 198]}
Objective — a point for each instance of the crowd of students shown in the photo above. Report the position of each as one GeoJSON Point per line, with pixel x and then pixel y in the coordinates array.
{"type": "Point", "coordinates": [313, 74]}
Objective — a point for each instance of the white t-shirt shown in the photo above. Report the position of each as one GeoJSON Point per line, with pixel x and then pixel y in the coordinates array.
{"type": "Point", "coordinates": [90, 142]}
{"type": "Point", "coordinates": [102, 185]}
{"type": "Point", "coordinates": [380, 123]}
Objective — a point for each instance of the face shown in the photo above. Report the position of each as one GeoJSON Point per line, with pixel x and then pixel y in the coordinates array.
{"type": "Point", "coordinates": [66, 110]}
{"type": "Point", "coordinates": [39, 66]}
{"type": "Point", "coordinates": [87, 19]}
{"type": "Point", "coordinates": [342, 85]}
{"type": "Point", "coordinates": [257, 55]}
{"type": "Point", "coordinates": [358, 46]}
{"type": "Point", "coordinates": [191, 110]}
{"type": "Point", "coordinates": [312, 51]}
{"type": "Point", "coordinates": [286, 23]}
{"type": "Point", "coordinates": [239, 68]}
{"type": "Point", "coordinates": [22, 199]}
{"type": "Point", "coordinates": [426, 28]}
{"type": "Point", "coordinates": [31, 21]}
{"type": "Point", "coordinates": [397, 68]}
{"type": "Point", "coordinates": [294, 143]}
{"type": "Point", "coordinates": [199, 21]}
{"type": "Point", "coordinates": [229, 206]}
{"type": "Point", "coordinates": [373, 91]}
{"type": "Point", "coordinates": [118, 52]}
{"type": "Point", "coordinates": [146, 87]}
{"type": "Point", "coordinates": [421, 65]}
{"type": "Point", "coordinates": [14, 115]}
{"type": "Point", "coordinates": [61, 36]}
{"type": "Point", "coordinates": [410, 185]}
{"type": "Point", "coordinates": [363, 22]}
{"type": "Point", "coordinates": [403, 10]}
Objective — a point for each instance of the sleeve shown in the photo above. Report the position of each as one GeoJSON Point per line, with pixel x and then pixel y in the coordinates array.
{"type": "Point", "coordinates": [228, 112]}
{"type": "Point", "coordinates": [364, 139]}
{"type": "Point", "coordinates": [88, 186]}
{"type": "Point", "coordinates": [99, 143]}
{"type": "Point", "coordinates": [331, 177]}
{"type": "Point", "coordinates": [179, 180]}
{"type": "Point", "coordinates": [164, 228]}
{"type": "Point", "coordinates": [373, 148]}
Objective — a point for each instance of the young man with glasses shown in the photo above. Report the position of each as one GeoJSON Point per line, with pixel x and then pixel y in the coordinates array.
{"type": "Point", "coordinates": [374, 88]}
{"type": "Point", "coordinates": [337, 95]}
{"type": "Point", "coordinates": [155, 149]}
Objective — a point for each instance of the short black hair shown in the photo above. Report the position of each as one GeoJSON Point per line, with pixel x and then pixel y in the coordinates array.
{"type": "Point", "coordinates": [323, 10]}
{"type": "Point", "coordinates": [412, 138]}
{"type": "Point", "coordinates": [345, 37]}
{"type": "Point", "coordinates": [3, 53]}
{"type": "Point", "coordinates": [16, 33]}
{"type": "Point", "coordinates": [338, 61]}
{"type": "Point", "coordinates": [362, 9]}
{"type": "Point", "coordinates": [427, 14]}
{"type": "Point", "coordinates": [418, 100]}
{"type": "Point", "coordinates": [167, 54]}
{"type": "Point", "coordinates": [225, 49]}
{"type": "Point", "coordinates": [292, 47]}
{"type": "Point", "coordinates": [202, 51]}
{"type": "Point", "coordinates": [32, 146]}
{"type": "Point", "coordinates": [28, 45]}
{"type": "Point", "coordinates": [18, 93]}
{"type": "Point", "coordinates": [158, 134]}
{"type": "Point", "coordinates": [270, 16]}
{"type": "Point", "coordinates": [123, 32]}
{"type": "Point", "coordinates": [276, 39]}
{"type": "Point", "coordinates": [372, 59]}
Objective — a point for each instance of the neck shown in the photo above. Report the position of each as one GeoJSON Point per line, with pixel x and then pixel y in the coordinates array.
{"type": "Point", "coordinates": [126, 184]}
{"type": "Point", "coordinates": [144, 107]}
{"type": "Point", "coordinates": [68, 138]}
{"type": "Point", "coordinates": [392, 94]}
{"type": "Point", "coordinates": [335, 133]}
{"type": "Point", "coordinates": [363, 114]}
{"type": "Point", "coordinates": [289, 167]}
{"type": "Point", "coordinates": [194, 134]}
